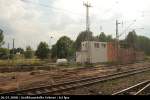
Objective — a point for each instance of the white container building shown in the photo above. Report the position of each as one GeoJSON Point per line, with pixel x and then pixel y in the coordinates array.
{"type": "Point", "coordinates": [93, 52]}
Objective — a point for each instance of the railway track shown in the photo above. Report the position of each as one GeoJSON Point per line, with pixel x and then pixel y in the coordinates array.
{"type": "Point", "coordinates": [142, 88]}
{"type": "Point", "coordinates": [61, 87]}
{"type": "Point", "coordinates": [76, 70]}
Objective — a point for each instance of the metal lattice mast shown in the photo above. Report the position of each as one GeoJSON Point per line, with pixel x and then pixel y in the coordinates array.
{"type": "Point", "coordinates": [87, 5]}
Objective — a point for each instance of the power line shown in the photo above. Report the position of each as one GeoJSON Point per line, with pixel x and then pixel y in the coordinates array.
{"type": "Point", "coordinates": [134, 21]}
{"type": "Point", "coordinates": [127, 28]}
{"type": "Point", "coordinates": [109, 9]}
{"type": "Point", "coordinates": [117, 34]}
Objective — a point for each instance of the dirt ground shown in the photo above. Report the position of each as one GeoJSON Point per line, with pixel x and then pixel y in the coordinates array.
{"type": "Point", "coordinates": [23, 80]}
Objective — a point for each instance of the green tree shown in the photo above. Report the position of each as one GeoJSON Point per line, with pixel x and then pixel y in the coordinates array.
{"type": "Point", "coordinates": [42, 51]}
{"type": "Point", "coordinates": [109, 38]}
{"type": "Point", "coordinates": [4, 53]}
{"type": "Point", "coordinates": [131, 39]}
{"type": "Point", "coordinates": [54, 51]}
{"type": "Point", "coordinates": [139, 43]}
{"type": "Point", "coordinates": [29, 52]}
{"type": "Point", "coordinates": [1, 38]}
{"type": "Point", "coordinates": [83, 36]}
{"type": "Point", "coordinates": [19, 50]}
{"type": "Point", "coordinates": [144, 44]}
{"type": "Point", "coordinates": [63, 48]}
{"type": "Point", "coordinates": [14, 51]}
{"type": "Point", "coordinates": [104, 38]}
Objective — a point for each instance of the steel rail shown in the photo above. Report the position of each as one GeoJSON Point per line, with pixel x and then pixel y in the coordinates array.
{"type": "Point", "coordinates": [50, 89]}
{"type": "Point", "coordinates": [135, 89]}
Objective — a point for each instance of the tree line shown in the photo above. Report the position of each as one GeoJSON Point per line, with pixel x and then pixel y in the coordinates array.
{"type": "Point", "coordinates": [41, 52]}
{"type": "Point", "coordinates": [66, 48]}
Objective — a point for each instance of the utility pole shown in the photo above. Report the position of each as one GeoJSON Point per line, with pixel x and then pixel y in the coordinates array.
{"type": "Point", "coordinates": [50, 45]}
{"type": "Point", "coordinates": [117, 33]}
{"type": "Point", "coordinates": [88, 5]}
{"type": "Point", "coordinates": [117, 40]}
{"type": "Point", "coordinates": [13, 46]}
{"type": "Point", "coordinates": [8, 51]}
{"type": "Point", "coordinates": [13, 51]}
{"type": "Point", "coordinates": [51, 80]}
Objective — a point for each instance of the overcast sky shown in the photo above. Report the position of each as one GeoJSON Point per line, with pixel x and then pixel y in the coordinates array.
{"type": "Point", "coordinates": [32, 21]}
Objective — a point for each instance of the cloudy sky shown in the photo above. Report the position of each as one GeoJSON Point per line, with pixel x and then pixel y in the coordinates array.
{"type": "Point", "coordinates": [32, 21]}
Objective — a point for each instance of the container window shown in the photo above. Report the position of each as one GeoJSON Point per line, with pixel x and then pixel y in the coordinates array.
{"type": "Point", "coordinates": [96, 45]}
{"type": "Point", "coordinates": [104, 45]}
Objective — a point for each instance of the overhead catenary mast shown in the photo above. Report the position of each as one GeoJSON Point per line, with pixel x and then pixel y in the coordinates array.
{"type": "Point", "coordinates": [117, 41]}
{"type": "Point", "coordinates": [88, 5]}
{"type": "Point", "coordinates": [117, 34]}
{"type": "Point", "coordinates": [13, 47]}
{"type": "Point", "coordinates": [8, 51]}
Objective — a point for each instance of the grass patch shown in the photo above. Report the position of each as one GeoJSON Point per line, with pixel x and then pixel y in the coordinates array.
{"type": "Point", "coordinates": [21, 62]}
{"type": "Point", "coordinates": [147, 58]}
{"type": "Point", "coordinates": [70, 65]}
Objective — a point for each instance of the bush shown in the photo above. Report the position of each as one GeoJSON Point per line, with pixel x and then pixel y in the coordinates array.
{"type": "Point", "coordinates": [89, 64]}
{"type": "Point", "coordinates": [4, 53]}
{"type": "Point", "coordinates": [29, 53]}
{"type": "Point", "coordinates": [63, 64]}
